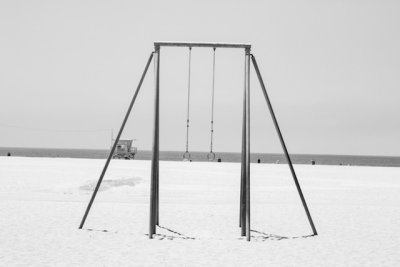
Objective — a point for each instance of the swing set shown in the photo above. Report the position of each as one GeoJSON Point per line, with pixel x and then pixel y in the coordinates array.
{"type": "Point", "coordinates": [244, 205]}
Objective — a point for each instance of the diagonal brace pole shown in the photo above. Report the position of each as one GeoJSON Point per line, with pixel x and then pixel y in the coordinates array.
{"type": "Point", "coordinates": [283, 145]}
{"type": "Point", "coordinates": [115, 143]}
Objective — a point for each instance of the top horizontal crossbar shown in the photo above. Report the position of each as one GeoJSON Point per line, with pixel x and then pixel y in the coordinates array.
{"type": "Point", "coordinates": [212, 45]}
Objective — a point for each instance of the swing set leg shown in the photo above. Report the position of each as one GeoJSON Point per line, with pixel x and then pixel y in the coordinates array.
{"type": "Point", "coordinates": [248, 229]}
{"type": "Point", "coordinates": [242, 213]}
{"type": "Point", "coordinates": [283, 145]}
{"type": "Point", "coordinates": [245, 164]}
{"type": "Point", "coordinates": [115, 143]}
{"type": "Point", "coordinates": [154, 186]}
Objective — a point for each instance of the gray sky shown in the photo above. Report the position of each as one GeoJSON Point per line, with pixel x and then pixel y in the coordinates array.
{"type": "Point", "coordinates": [68, 70]}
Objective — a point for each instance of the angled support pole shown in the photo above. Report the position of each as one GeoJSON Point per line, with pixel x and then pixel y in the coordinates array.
{"type": "Point", "coordinates": [283, 144]}
{"type": "Point", "coordinates": [116, 142]}
{"type": "Point", "coordinates": [154, 185]}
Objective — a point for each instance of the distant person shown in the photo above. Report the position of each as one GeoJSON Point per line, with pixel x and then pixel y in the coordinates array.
{"type": "Point", "coordinates": [219, 160]}
{"type": "Point", "coordinates": [259, 161]}
{"type": "Point", "coordinates": [312, 162]}
{"type": "Point", "coordinates": [8, 154]}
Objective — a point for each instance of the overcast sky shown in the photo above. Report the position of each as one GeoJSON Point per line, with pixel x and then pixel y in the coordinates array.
{"type": "Point", "coordinates": [68, 70]}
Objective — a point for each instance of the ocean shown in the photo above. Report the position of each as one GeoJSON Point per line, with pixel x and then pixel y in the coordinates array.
{"type": "Point", "coordinates": [202, 156]}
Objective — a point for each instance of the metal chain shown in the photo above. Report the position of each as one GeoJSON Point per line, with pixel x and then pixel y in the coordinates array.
{"type": "Point", "coordinates": [212, 104]}
{"type": "Point", "coordinates": [188, 102]}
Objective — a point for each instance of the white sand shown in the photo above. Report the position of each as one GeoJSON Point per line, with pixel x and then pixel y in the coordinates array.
{"type": "Point", "coordinates": [356, 211]}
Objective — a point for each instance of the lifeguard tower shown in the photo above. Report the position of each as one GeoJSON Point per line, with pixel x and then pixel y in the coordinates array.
{"type": "Point", "coordinates": [125, 150]}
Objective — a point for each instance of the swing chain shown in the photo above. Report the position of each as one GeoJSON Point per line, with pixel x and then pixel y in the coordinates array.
{"type": "Point", "coordinates": [186, 155]}
{"type": "Point", "coordinates": [211, 154]}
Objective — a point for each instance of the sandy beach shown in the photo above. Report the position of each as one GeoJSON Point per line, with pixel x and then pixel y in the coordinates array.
{"type": "Point", "coordinates": [356, 211]}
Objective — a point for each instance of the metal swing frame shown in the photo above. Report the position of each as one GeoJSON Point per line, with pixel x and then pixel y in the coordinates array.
{"type": "Point", "coordinates": [244, 213]}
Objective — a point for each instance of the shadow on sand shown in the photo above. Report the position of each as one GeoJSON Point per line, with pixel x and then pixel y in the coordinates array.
{"type": "Point", "coordinates": [262, 237]}
{"type": "Point", "coordinates": [172, 236]}
{"type": "Point", "coordinates": [159, 236]}
{"type": "Point", "coordinates": [96, 230]}
{"type": "Point", "coordinates": [257, 236]}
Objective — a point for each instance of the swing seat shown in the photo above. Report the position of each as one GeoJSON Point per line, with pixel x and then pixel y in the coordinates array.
{"type": "Point", "coordinates": [211, 156]}
{"type": "Point", "coordinates": [186, 156]}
